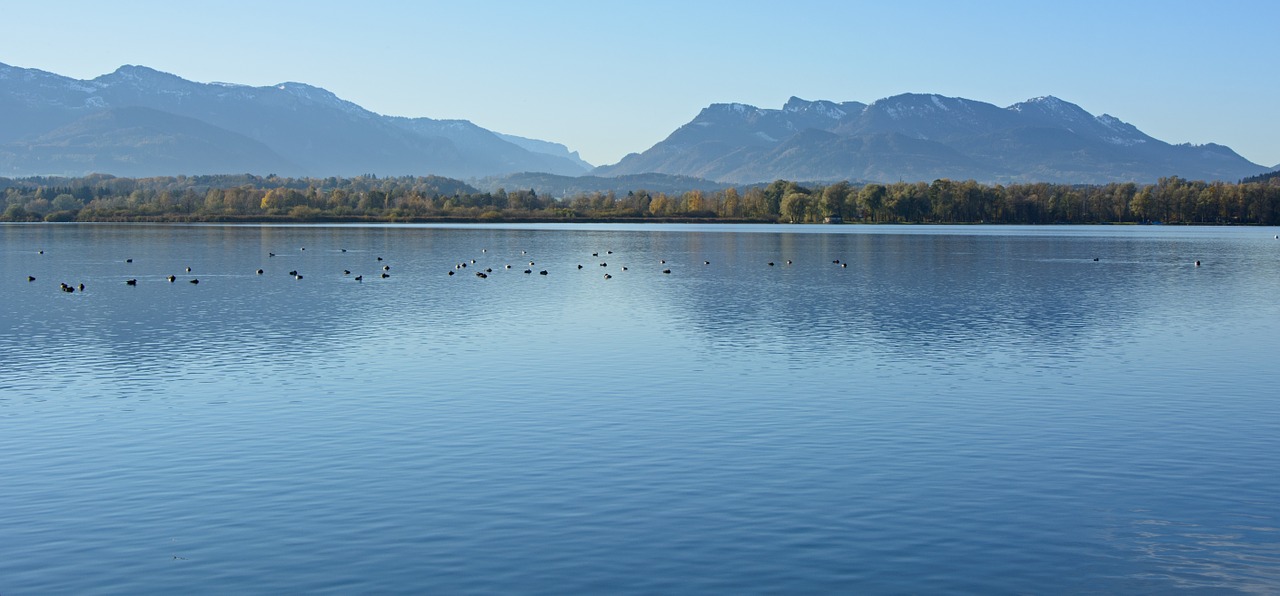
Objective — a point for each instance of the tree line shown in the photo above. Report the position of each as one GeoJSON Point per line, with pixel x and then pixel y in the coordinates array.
{"type": "Point", "coordinates": [369, 198]}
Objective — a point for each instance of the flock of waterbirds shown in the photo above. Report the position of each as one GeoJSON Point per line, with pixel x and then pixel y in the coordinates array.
{"type": "Point", "coordinates": [459, 267]}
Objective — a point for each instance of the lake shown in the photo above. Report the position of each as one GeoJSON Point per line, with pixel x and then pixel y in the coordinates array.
{"type": "Point", "coordinates": [798, 409]}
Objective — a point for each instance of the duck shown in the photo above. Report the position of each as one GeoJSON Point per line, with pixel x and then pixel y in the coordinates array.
{"type": "Point", "coordinates": [386, 275]}
{"type": "Point", "coordinates": [607, 276]}
{"type": "Point", "coordinates": [450, 273]}
{"type": "Point", "coordinates": [667, 271]}
{"type": "Point", "coordinates": [128, 260]}
{"type": "Point", "coordinates": [481, 275]}
{"type": "Point", "coordinates": [31, 278]}
{"type": "Point", "coordinates": [543, 272]}
{"type": "Point", "coordinates": [259, 272]}
{"type": "Point", "coordinates": [172, 278]}
{"type": "Point", "coordinates": [706, 262]}
{"type": "Point", "coordinates": [130, 282]}
{"type": "Point", "coordinates": [770, 263]}
{"type": "Point", "coordinates": [81, 287]}
{"type": "Point", "coordinates": [194, 281]}
{"type": "Point", "coordinates": [361, 277]}
{"type": "Point", "coordinates": [294, 272]}
{"type": "Point", "coordinates": [188, 270]}
{"type": "Point", "coordinates": [388, 267]}
{"type": "Point", "coordinates": [528, 271]}
{"type": "Point", "coordinates": [344, 271]}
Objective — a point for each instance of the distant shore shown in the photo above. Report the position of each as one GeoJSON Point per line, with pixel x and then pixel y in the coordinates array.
{"type": "Point", "coordinates": [431, 199]}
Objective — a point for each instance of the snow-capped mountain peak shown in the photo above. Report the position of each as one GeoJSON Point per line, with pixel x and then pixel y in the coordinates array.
{"type": "Point", "coordinates": [820, 108]}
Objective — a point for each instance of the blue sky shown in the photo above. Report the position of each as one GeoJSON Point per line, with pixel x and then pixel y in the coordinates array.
{"type": "Point", "coordinates": [609, 78]}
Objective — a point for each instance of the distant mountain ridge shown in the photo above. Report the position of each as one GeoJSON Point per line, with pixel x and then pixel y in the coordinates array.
{"type": "Point", "coordinates": [138, 121]}
{"type": "Point", "coordinates": [924, 137]}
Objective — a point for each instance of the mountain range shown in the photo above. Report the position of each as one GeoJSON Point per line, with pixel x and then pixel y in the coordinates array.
{"type": "Point", "coordinates": [924, 137]}
{"type": "Point", "coordinates": [138, 121]}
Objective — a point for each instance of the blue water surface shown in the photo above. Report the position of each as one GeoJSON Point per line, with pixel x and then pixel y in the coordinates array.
{"type": "Point", "coordinates": [797, 409]}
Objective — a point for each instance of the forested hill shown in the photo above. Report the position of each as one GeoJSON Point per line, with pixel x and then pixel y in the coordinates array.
{"type": "Point", "coordinates": [1269, 176]}
{"type": "Point", "coordinates": [563, 186]}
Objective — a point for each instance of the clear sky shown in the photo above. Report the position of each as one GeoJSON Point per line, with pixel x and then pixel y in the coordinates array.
{"type": "Point", "coordinates": [608, 78]}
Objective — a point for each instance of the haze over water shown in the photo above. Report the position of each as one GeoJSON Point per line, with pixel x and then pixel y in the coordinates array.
{"type": "Point", "coordinates": [959, 409]}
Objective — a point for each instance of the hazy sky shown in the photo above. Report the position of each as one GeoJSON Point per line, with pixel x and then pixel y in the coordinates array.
{"type": "Point", "coordinates": [610, 78]}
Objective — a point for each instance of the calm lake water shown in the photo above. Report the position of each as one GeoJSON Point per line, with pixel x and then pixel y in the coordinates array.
{"type": "Point", "coordinates": [959, 409]}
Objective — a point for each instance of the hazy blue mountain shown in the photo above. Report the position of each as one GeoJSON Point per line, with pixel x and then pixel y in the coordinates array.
{"type": "Point", "coordinates": [923, 137]}
{"type": "Point", "coordinates": [478, 145]}
{"type": "Point", "coordinates": [562, 186]}
{"type": "Point", "coordinates": [309, 130]}
{"type": "Point", "coordinates": [547, 147]}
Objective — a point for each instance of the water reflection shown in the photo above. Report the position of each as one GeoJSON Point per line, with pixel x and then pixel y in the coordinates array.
{"type": "Point", "coordinates": [951, 409]}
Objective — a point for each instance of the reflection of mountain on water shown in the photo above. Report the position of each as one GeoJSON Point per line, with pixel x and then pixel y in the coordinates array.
{"type": "Point", "coordinates": [903, 298]}
{"type": "Point", "coordinates": [918, 296]}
